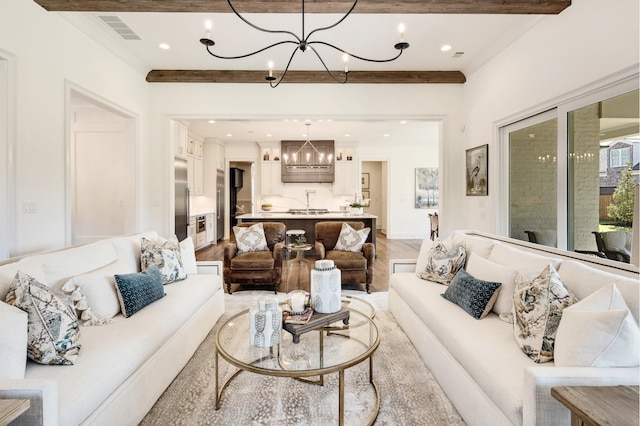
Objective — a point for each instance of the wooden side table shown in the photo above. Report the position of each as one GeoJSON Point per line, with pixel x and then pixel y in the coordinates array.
{"type": "Point", "coordinates": [11, 409]}
{"type": "Point", "coordinates": [600, 405]}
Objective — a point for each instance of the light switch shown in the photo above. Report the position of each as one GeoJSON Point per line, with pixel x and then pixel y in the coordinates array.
{"type": "Point", "coordinates": [29, 207]}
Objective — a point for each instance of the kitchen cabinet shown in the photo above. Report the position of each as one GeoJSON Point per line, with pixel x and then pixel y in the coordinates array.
{"type": "Point", "coordinates": [346, 182]}
{"type": "Point", "coordinates": [191, 229]}
{"type": "Point", "coordinates": [209, 229]}
{"type": "Point", "coordinates": [198, 176]}
{"type": "Point", "coordinates": [180, 139]}
{"type": "Point", "coordinates": [200, 240]}
{"type": "Point", "coordinates": [199, 149]}
{"type": "Point", "coordinates": [270, 178]}
{"type": "Point", "coordinates": [219, 157]}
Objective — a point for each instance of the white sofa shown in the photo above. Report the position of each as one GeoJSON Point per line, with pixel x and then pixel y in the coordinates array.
{"type": "Point", "coordinates": [478, 363]}
{"type": "Point", "coordinates": [122, 367]}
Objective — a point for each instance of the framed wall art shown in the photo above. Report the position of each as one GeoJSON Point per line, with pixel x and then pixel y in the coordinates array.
{"type": "Point", "coordinates": [365, 181]}
{"type": "Point", "coordinates": [477, 170]}
{"type": "Point", "coordinates": [427, 192]}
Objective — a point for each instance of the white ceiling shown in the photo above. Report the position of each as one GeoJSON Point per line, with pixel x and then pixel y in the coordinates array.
{"type": "Point", "coordinates": [479, 37]}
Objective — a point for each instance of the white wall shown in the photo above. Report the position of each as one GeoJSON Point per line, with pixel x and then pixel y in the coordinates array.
{"type": "Point", "coordinates": [587, 42]}
{"type": "Point", "coordinates": [49, 52]}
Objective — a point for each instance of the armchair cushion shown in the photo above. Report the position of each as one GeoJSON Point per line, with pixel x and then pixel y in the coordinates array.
{"type": "Point", "coordinates": [350, 239]}
{"type": "Point", "coordinates": [250, 239]}
{"type": "Point", "coordinates": [618, 241]}
{"type": "Point", "coordinates": [347, 260]}
{"type": "Point", "coordinates": [257, 260]}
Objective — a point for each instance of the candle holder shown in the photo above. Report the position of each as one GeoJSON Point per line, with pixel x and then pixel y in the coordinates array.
{"type": "Point", "coordinates": [298, 301]}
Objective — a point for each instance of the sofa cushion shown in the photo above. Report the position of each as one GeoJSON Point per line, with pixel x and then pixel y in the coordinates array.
{"type": "Point", "coordinates": [443, 264]}
{"type": "Point", "coordinates": [61, 265]}
{"type": "Point", "coordinates": [530, 264]}
{"type": "Point", "coordinates": [538, 307]}
{"type": "Point", "coordinates": [166, 255]}
{"type": "Point", "coordinates": [250, 239]}
{"type": "Point", "coordinates": [480, 246]}
{"type": "Point", "coordinates": [350, 239]}
{"type": "Point", "coordinates": [13, 342]}
{"type": "Point", "coordinates": [112, 354]}
{"type": "Point", "coordinates": [347, 260]}
{"type": "Point", "coordinates": [137, 290]}
{"type": "Point", "coordinates": [486, 270]}
{"type": "Point", "coordinates": [53, 331]}
{"type": "Point", "coordinates": [475, 296]}
{"type": "Point", "coordinates": [257, 260]}
{"type": "Point", "coordinates": [583, 280]}
{"type": "Point", "coordinates": [423, 255]}
{"type": "Point", "coordinates": [94, 294]}
{"type": "Point", "coordinates": [598, 331]}
{"type": "Point", "coordinates": [128, 247]}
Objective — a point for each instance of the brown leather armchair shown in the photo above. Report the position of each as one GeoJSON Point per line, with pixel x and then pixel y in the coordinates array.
{"type": "Point", "coordinates": [258, 267]}
{"type": "Point", "coordinates": [354, 267]}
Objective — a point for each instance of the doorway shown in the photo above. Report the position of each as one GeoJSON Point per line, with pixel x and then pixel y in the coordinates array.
{"type": "Point", "coordinates": [241, 189]}
{"type": "Point", "coordinates": [374, 187]}
{"type": "Point", "coordinates": [102, 170]}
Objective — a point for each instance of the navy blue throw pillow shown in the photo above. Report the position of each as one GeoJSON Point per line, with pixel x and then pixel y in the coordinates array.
{"type": "Point", "coordinates": [475, 296]}
{"type": "Point", "coordinates": [135, 291]}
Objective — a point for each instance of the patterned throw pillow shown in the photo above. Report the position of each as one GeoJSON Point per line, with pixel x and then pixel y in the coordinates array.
{"type": "Point", "coordinates": [135, 291]}
{"type": "Point", "coordinates": [250, 239]}
{"type": "Point", "coordinates": [52, 328]}
{"type": "Point", "coordinates": [350, 239]}
{"type": "Point", "coordinates": [444, 264]}
{"type": "Point", "coordinates": [537, 312]}
{"type": "Point", "coordinates": [475, 296]}
{"type": "Point", "coordinates": [166, 256]}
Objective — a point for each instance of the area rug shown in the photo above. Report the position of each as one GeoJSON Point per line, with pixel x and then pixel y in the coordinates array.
{"type": "Point", "coordinates": [409, 393]}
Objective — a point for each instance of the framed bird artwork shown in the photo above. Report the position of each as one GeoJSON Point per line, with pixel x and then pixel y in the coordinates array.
{"type": "Point", "coordinates": [478, 170]}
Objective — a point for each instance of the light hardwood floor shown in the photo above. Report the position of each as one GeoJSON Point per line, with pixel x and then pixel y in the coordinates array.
{"type": "Point", "coordinates": [385, 250]}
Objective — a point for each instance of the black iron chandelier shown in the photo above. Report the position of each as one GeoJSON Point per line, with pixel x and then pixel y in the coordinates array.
{"type": "Point", "coordinates": [303, 43]}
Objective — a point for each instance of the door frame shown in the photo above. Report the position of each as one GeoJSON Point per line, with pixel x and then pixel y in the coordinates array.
{"type": "Point", "coordinates": [8, 220]}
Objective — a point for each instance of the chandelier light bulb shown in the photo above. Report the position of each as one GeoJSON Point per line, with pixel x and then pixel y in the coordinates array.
{"type": "Point", "coordinates": [345, 59]}
{"type": "Point", "coordinates": [401, 30]}
{"type": "Point", "coordinates": [270, 65]}
{"type": "Point", "coordinates": [208, 25]}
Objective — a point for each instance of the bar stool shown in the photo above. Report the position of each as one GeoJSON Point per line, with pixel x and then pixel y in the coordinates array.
{"type": "Point", "coordinates": [290, 237]}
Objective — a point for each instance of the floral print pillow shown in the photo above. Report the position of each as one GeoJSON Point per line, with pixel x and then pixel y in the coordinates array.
{"type": "Point", "coordinates": [52, 324]}
{"type": "Point", "coordinates": [166, 256]}
{"type": "Point", "coordinates": [350, 239]}
{"type": "Point", "coordinates": [443, 263]}
{"type": "Point", "coordinates": [538, 309]}
{"type": "Point", "coordinates": [250, 239]}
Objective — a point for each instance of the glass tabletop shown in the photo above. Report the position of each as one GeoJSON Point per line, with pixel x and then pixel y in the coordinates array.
{"type": "Point", "coordinates": [322, 351]}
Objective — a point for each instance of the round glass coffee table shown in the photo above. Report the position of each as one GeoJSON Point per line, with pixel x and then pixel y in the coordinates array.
{"type": "Point", "coordinates": [333, 348]}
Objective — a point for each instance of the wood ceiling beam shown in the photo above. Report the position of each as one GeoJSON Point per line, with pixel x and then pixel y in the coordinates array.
{"type": "Point", "coordinates": [355, 77]}
{"type": "Point", "coordinates": [520, 7]}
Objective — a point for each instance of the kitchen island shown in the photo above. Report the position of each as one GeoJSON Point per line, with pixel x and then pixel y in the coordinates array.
{"type": "Point", "coordinates": [307, 222]}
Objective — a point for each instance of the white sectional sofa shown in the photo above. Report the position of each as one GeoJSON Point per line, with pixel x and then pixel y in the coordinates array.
{"type": "Point", "coordinates": [478, 363]}
{"type": "Point", "coordinates": [122, 367]}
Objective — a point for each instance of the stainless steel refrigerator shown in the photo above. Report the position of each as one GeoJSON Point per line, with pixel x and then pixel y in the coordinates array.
{"type": "Point", "coordinates": [181, 199]}
{"type": "Point", "coordinates": [220, 205]}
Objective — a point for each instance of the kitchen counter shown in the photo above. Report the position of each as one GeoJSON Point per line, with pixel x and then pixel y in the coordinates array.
{"type": "Point", "coordinates": [307, 222]}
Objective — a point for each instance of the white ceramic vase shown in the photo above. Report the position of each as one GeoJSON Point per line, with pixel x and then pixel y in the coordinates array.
{"type": "Point", "coordinates": [326, 289]}
{"type": "Point", "coordinates": [265, 329]}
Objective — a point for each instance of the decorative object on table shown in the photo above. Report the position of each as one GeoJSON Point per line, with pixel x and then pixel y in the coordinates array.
{"type": "Point", "coordinates": [298, 301]}
{"type": "Point", "coordinates": [478, 170]}
{"type": "Point", "coordinates": [316, 322]}
{"type": "Point", "coordinates": [265, 323]}
{"type": "Point", "coordinates": [357, 205]}
{"type": "Point", "coordinates": [290, 317]}
{"type": "Point", "coordinates": [326, 289]}
{"type": "Point", "coordinates": [427, 192]}
{"type": "Point", "coordinates": [267, 207]}
{"type": "Point", "coordinates": [302, 43]}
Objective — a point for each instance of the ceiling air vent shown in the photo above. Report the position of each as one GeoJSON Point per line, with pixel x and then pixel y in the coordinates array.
{"type": "Point", "coordinates": [458, 54]}
{"type": "Point", "coordinates": [116, 24]}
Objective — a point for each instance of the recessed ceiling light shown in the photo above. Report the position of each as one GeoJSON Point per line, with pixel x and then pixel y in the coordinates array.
{"type": "Point", "coordinates": [269, 135]}
{"type": "Point", "coordinates": [445, 47]}
{"type": "Point", "coordinates": [212, 121]}
{"type": "Point", "coordinates": [164, 46]}
{"type": "Point", "coordinates": [229, 135]}
{"type": "Point", "coordinates": [403, 122]}
{"type": "Point", "coordinates": [346, 135]}
{"type": "Point", "coordinates": [386, 135]}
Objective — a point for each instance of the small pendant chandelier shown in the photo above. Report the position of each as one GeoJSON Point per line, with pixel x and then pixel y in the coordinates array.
{"type": "Point", "coordinates": [303, 43]}
{"type": "Point", "coordinates": [311, 160]}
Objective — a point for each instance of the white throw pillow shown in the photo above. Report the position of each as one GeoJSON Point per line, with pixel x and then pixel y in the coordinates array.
{"type": "Point", "coordinates": [13, 342]}
{"type": "Point", "coordinates": [188, 252]}
{"type": "Point", "coordinates": [538, 307]}
{"type": "Point", "coordinates": [350, 239]}
{"type": "Point", "coordinates": [249, 239]}
{"type": "Point", "coordinates": [598, 331]}
{"type": "Point", "coordinates": [530, 264]}
{"type": "Point", "coordinates": [486, 270]}
{"type": "Point", "coordinates": [94, 294]}
{"type": "Point", "coordinates": [166, 256]}
{"type": "Point", "coordinates": [474, 244]}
